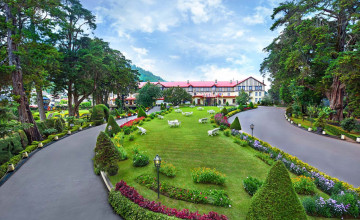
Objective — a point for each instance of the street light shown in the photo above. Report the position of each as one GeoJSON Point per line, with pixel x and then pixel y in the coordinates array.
{"type": "Point", "coordinates": [157, 163]}
{"type": "Point", "coordinates": [252, 130]}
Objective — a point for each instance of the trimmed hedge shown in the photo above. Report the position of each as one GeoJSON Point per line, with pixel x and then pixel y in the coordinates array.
{"type": "Point", "coordinates": [129, 210]}
{"type": "Point", "coordinates": [141, 113]}
{"type": "Point", "coordinates": [115, 128]}
{"type": "Point", "coordinates": [236, 124]}
{"type": "Point", "coordinates": [99, 113]}
{"type": "Point", "coordinates": [336, 131]}
{"type": "Point", "coordinates": [276, 199]}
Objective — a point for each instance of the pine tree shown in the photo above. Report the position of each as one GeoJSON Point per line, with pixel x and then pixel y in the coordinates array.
{"type": "Point", "coordinates": [236, 124]}
{"type": "Point", "coordinates": [115, 128]}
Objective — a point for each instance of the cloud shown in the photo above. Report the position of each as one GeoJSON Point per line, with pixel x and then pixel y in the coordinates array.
{"type": "Point", "coordinates": [242, 60]}
{"type": "Point", "coordinates": [140, 51]}
{"type": "Point", "coordinates": [212, 72]}
{"type": "Point", "coordinates": [261, 13]}
{"type": "Point", "coordinates": [174, 57]}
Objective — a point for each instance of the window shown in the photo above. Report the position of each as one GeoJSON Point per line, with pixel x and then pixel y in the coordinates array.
{"type": "Point", "coordinates": [220, 89]}
{"type": "Point", "coordinates": [260, 87]}
{"type": "Point", "coordinates": [250, 87]}
{"type": "Point", "coordinates": [197, 89]}
{"type": "Point", "coordinates": [239, 88]}
{"type": "Point", "coordinates": [213, 88]}
{"type": "Point", "coordinates": [255, 99]}
{"type": "Point", "coordinates": [190, 89]}
{"type": "Point", "coordinates": [201, 89]}
{"type": "Point", "coordinates": [255, 93]}
{"type": "Point", "coordinates": [233, 101]}
{"type": "Point", "coordinates": [259, 93]}
{"type": "Point", "coordinates": [229, 89]}
{"type": "Point", "coordinates": [259, 99]}
{"type": "Point", "coordinates": [224, 101]}
{"type": "Point", "coordinates": [243, 88]}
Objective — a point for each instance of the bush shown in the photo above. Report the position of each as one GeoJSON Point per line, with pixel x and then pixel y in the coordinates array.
{"type": "Point", "coordinates": [49, 131]}
{"type": "Point", "coordinates": [207, 175]}
{"type": "Point", "coordinates": [127, 130]}
{"type": "Point", "coordinates": [236, 124]}
{"type": "Point", "coordinates": [221, 120]}
{"type": "Point", "coordinates": [141, 113]}
{"type": "Point", "coordinates": [115, 128]}
{"type": "Point", "coordinates": [106, 155]}
{"type": "Point", "coordinates": [227, 103]}
{"type": "Point", "coordinates": [223, 127]}
{"type": "Point", "coordinates": [289, 110]}
{"type": "Point", "coordinates": [251, 105]}
{"type": "Point", "coordinates": [99, 113]}
{"type": "Point", "coordinates": [240, 142]}
{"type": "Point", "coordinates": [59, 126]}
{"type": "Point", "coordinates": [140, 159]}
{"type": "Point", "coordinates": [251, 185]}
{"type": "Point", "coordinates": [168, 169]}
{"type": "Point", "coordinates": [131, 137]}
{"type": "Point", "coordinates": [304, 185]}
{"type": "Point", "coordinates": [227, 133]}
{"type": "Point", "coordinates": [224, 111]}
{"type": "Point", "coordinates": [275, 202]}
{"type": "Point", "coordinates": [348, 124]}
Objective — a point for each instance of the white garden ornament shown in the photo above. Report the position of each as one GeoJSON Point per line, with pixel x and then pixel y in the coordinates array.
{"type": "Point", "coordinates": [358, 139]}
{"type": "Point", "coordinates": [324, 132]}
{"type": "Point", "coordinates": [309, 129]}
{"type": "Point", "coordinates": [342, 137]}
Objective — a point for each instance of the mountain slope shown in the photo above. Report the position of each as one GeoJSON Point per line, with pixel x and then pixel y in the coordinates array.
{"type": "Point", "coordinates": [147, 75]}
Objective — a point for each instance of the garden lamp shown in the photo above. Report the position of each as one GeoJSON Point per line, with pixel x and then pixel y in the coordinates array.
{"type": "Point", "coordinates": [252, 129]}
{"type": "Point", "coordinates": [157, 163]}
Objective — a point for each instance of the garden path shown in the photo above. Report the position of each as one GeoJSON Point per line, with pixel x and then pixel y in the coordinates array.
{"type": "Point", "coordinates": [58, 182]}
{"type": "Point", "coordinates": [334, 157]}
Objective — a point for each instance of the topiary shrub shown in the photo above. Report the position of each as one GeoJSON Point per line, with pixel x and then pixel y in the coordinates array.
{"type": "Point", "coordinates": [251, 105]}
{"type": "Point", "coordinates": [276, 199]}
{"type": "Point", "coordinates": [140, 159]}
{"type": "Point", "coordinates": [115, 128]}
{"type": "Point", "coordinates": [224, 111]}
{"type": "Point", "coordinates": [106, 155]}
{"type": "Point", "coordinates": [99, 113]}
{"type": "Point", "coordinates": [141, 113]}
{"type": "Point", "coordinates": [236, 124]}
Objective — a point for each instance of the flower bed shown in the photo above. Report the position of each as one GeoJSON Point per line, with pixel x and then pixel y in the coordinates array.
{"type": "Point", "coordinates": [212, 197]}
{"type": "Point", "coordinates": [296, 166]}
{"type": "Point", "coordinates": [221, 120]}
{"type": "Point", "coordinates": [131, 122]}
{"type": "Point", "coordinates": [134, 196]}
{"type": "Point", "coordinates": [207, 175]}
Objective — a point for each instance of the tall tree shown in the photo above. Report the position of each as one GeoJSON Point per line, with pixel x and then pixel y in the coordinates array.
{"type": "Point", "coordinates": [17, 17]}
{"type": "Point", "coordinates": [148, 95]}
{"type": "Point", "coordinates": [176, 95]}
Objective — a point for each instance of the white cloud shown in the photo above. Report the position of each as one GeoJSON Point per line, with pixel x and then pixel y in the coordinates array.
{"type": "Point", "coordinates": [261, 13]}
{"type": "Point", "coordinates": [241, 60]}
{"type": "Point", "coordinates": [174, 57]}
{"type": "Point", "coordinates": [212, 72]}
{"type": "Point", "coordinates": [140, 51]}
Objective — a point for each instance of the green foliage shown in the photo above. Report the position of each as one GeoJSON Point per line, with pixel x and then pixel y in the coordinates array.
{"type": "Point", "coordinates": [236, 124]}
{"type": "Point", "coordinates": [224, 111]}
{"type": "Point", "coordinates": [251, 185]}
{"type": "Point", "coordinates": [106, 155]}
{"type": "Point", "coordinates": [251, 105]}
{"type": "Point", "coordinates": [127, 130]}
{"type": "Point", "coordinates": [85, 105]}
{"type": "Point", "coordinates": [140, 159]}
{"type": "Point", "coordinates": [243, 98]}
{"type": "Point", "coordinates": [304, 185]}
{"type": "Point", "coordinates": [115, 128]}
{"type": "Point", "coordinates": [275, 202]}
{"type": "Point", "coordinates": [129, 210]}
{"type": "Point", "coordinates": [240, 142]}
{"type": "Point", "coordinates": [146, 75]}
{"type": "Point", "coordinates": [141, 113]}
{"type": "Point", "coordinates": [168, 169]}
{"type": "Point", "coordinates": [49, 131]}
{"type": "Point", "coordinates": [99, 113]}
{"type": "Point", "coordinates": [289, 110]}
{"type": "Point", "coordinates": [24, 139]}
{"type": "Point", "coordinates": [58, 125]}
{"type": "Point", "coordinates": [176, 95]}
{"type": "Point", "coordinates": [227, 103]}
{"type": "Point", "coordinates": [148, 94]}
{"type": "Point", "coordinates": [227, 132]}
{"type": "Point", "coordinates": [131, 137]}
{"type": "Point", "coordinates": [207, 175]}
{"type": "Point", "coordinates": [348, 124]}
{"type": "Point", "coordinates": [285, 94]}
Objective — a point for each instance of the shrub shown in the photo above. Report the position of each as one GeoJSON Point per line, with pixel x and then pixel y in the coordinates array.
{"type": "Point", "coordinates": [222, 127]}
{"type": "Point", "coordinates": [106, 155]}
{"type": "Point", "coordinates": [59, 126]}
{"type": "Point", "coordinates": [227, 103]}
{"type": "Point", "coordinates": [304, 185]}
{"type": "Point", "coordinates": [140, 159]}
{"type": "Point", "coordinates": [99, 113]}
{"type": "Point", "coordinates": [227, 133]}
{"type": "Point", "coordinates": [240, 142]}
{"type": "Point", "coordinates": [236, 124]}
{"type": "Point", "coordinates": [289, 110]}
{"type": "Point", "coordinates": [274, 202]}
{"type": "Point", "coordinates": [168, 169]}
{"type": "Point", "coordinates": [265, 157]}
{"type": "Point", "coordinates": [127, 130]}
{"type": "Point", "coordinates": [224, 111]}
{"type": "Point", "coordinates": [251, 185]}
{"type": "Point", "coordinates": [131, 137]}
{"type": "Point", "coordinates": [115, 128]}
{"type": "Point", "coordinates": [251, 105]}
{"type": "Point", "coordinates": [221, 120]}
{"type": "Point", "coordinates": [49, 131]}
{"type": "Point", "coordinates": [207, 175]}
{"type": "Point", "coordinates": [141, 113]}
{"type": "Point", "coordinates": [213, 197]}
{"type": "Point", "coordinates": [348, 124]}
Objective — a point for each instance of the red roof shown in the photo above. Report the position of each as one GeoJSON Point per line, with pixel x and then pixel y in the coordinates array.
{"type": "Point", "coordinates": [233, 83]}
{"type": "Point", "coordinates": [130, 98]}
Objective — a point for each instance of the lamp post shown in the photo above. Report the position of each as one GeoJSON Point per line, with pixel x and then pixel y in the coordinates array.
{"type": "Point", "coordinates": [252, 130]}
{"type": "Point", "coordinates": [157, 163]}
{"type": "Point", "coordinates": [109, 129]}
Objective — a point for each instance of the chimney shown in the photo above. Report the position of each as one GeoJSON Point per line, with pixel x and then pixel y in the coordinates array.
{"type": "Point", "coordinates": [215, 81]}
{"type": "Point", "coordinates": [188, 82]}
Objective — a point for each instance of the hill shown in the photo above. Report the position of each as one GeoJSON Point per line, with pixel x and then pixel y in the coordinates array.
{"type": "Point", "coordinates": [146, 75]}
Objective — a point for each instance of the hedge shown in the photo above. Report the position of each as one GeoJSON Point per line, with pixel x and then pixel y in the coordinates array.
{"type": "Point", "coordinates": [99, 113]}
{"type": "Point", "coordinates": [129, 210]}
{"type": "Point", "coordinates": [115, 128]}
{"type": "Point", "coordinates": [336, 131]}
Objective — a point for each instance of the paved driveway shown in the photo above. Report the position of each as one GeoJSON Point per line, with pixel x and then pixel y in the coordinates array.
{"type": "Point", "coordinates": [334, 157]}
{"type": "Point", "coordinates": [58, 182]}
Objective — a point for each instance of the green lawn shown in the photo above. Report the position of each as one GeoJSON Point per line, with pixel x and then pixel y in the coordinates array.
{"type": "Point", "coordinates": [189, 147]}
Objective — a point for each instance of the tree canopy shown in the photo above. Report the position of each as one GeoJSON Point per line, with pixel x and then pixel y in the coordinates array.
{"type": "Point", "coordinates": [176, 95]}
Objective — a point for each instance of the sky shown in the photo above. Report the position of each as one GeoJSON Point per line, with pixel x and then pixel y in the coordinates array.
{"type": "Point", "coordinates": [179, 40]}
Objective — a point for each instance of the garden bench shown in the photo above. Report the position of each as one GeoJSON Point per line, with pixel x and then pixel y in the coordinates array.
{"type": "Point", "coordinates": [141, 130]}
{"type": "Point", "coordinates": [213, 132]}
{"type": "Point", "coordinates": [203, 120]}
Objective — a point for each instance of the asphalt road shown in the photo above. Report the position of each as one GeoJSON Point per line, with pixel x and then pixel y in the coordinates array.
{"type": "Point", "coordinates": [334, 157]}
{"type": "Point", "coordinates": [58, 182]}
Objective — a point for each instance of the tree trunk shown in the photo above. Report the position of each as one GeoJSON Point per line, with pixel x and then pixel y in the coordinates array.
{"type": "Point", "coordinates": [40, 102]}
{"type": "Point", "coordinates": [25, 115]}
{"type": "Point", "coordinates": [70, 99]}
{"type": "Point", "coordinates": [336, 96]}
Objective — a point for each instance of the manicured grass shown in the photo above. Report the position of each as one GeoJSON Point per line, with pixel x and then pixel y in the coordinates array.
{"type": "Point", "coordinates": [188, 147]}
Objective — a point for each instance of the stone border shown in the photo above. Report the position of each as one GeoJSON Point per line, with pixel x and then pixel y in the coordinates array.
{"type": "Point", "coordinates": [313, 132]}
{"type": "Point", "coordinates": [24, 160]}
{"type": "Point", "coordinates": [106, 180]}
